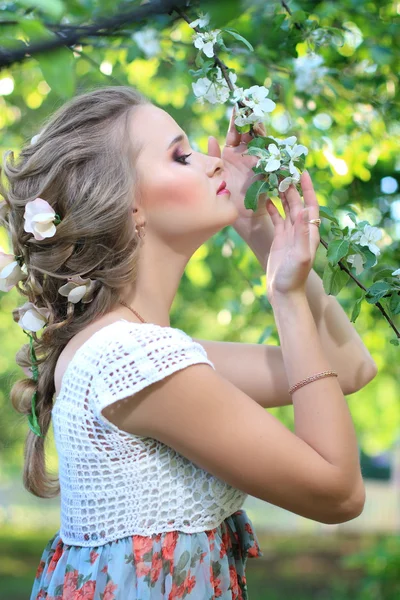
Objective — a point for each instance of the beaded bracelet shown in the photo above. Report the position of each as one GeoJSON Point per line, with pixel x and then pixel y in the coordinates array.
{"type": "Point", "coordinates": [300, 384]}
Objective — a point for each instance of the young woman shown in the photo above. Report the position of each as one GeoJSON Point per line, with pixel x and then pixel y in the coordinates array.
{"type": "Point", "coordinates": [157, 449]}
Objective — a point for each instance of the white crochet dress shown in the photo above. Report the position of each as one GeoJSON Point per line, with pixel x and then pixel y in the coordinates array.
{"type": "Point", "coordinates": [139, 521]}
{"type": "Point", "coordinates": [114, 483]}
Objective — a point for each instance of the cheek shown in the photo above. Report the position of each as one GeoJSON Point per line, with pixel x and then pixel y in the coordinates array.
{"type": "Point", "coordinates": [176, 189]}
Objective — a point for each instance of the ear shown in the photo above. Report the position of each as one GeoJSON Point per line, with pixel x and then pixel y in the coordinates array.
{"type": "Point", "coordinates": [213, 147]}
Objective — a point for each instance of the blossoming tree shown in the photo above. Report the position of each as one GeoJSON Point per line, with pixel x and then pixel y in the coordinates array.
{"type": "Point", "coordinates": [324, 84]}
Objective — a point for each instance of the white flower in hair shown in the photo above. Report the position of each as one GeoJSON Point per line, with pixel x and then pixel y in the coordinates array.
{"type": "Point", "coordinates": [78, 289]}
{"type": "Point", "coordinates": [10, 271]}
{"type": "Point", "coordinates": [32, 318]}
{"type": "Point", "coordinates": [39, 219]}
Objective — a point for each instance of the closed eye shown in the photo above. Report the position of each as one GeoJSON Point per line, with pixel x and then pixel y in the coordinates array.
{"type": "Point", "coordinates": [182, 158]}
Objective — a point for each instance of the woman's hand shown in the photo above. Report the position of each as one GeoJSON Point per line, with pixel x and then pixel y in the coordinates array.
{"type": "Point", "coordinates": [239, 174]}
{"type": "Point", "coordinates": [295, 242]}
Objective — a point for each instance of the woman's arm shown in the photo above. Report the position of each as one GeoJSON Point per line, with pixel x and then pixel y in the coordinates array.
{"type": "Point", "coordinates": [341, 343]}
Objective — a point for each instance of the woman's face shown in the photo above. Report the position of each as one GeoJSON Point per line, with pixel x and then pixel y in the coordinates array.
{"type": "Point", "coordinates": [178, 193]}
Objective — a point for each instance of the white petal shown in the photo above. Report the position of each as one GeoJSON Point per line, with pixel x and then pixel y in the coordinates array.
{"type": "Point", "coordinates": [396, 273]}
{"type": "Point", "coordinates": [274, 150]}
{"type": "Point", "coordinates": [290, 140]}
{"type": "Point", "coordinates": [32, 321]}
{"type": "Point", "coordinates": [208, 49]}
{"type": "Point", "coordinates": [284, 184]}
{"type": "Point", "coordinates": [77, 294]}
{"type": "Point", "coordinates": [272, 165]}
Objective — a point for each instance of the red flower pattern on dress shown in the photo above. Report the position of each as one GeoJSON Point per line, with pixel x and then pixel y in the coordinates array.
{"type": "Point", "coordinates": [141, 545]}
{"type": "Point", "coordinates": [168, 548]}
{"type": "Point", "coordinates": [40, 569]}
{"type": "Point", "coordinates": [234, 583]}
{"type": "Point", "coordinates": [189, 582]}
{"type": "Point", "coordinates": [177, 591]}
{"type": "Point", "coordinates": [56, 557]}
{"type": "Point", "coordinates": [70, 583]}
{"type": "Point", "coordinates": [109, 591]}
{"type": "Point", "coordinates": [86, 592]}
{"type": "Point", "coordinates": [228, 547]}
{"type": "Point", "coordinates": [156, 566]}
{"type": "Point", "coordinates": [93, 556]}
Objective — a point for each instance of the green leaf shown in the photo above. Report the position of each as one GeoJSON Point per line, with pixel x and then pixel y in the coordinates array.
{"type": "Point", "coordinates": [394, 303]}
{"type": "Point", "coordinates": [382, 273]}
{"type": "Point", "coordinates": [273, 180]}
{"type": "Point", "coordinates": [257, 142]}
{"type": "Point", "coordinates": [356, 309]}
{"type": "Point", "coordinates": [352, 217]}
{"type": "Point", "coordinates": [299, 16]}
{"type": "Point", "coordinates": [377, 291]}
{"type": "Point", "coordinates": [238, 37]}
{"type": "Point", "coordinates": [333, 279]}
{"type": "Point", "coordinates": [337, 250]}
{"type": "Point", "coordinates": [199, 60]}
{"type": "Point", "coordinates": [54, 8]}
{"type": "Point", "coordinates": [222, 12]}
{"type": "Point", "coordinates": [326, 212]}
{"type": "Point", "coordinates": [243, 128]}
{"type": "Point", "coordinates": [58, 68]}
{"type": "Point", "coordinates": [183, 560]}
{"type": "Point", "coordinates": [337, 231]}
{"type": "Point", "coordinates": [253, 191]}
{"type": "Point", "coordinates": [395, 342]}
{"type": "Point", "coordinates": [370, 257]}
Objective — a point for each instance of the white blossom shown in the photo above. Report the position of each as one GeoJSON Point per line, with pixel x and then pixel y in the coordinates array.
{"type": "Point", "coordinates": [205, 41]}
{"type": "Point", "coordinates": [39, 217]}
{"type": "Point", "coordinates": [292, 179]}
{"type": "Point", "coordinates": [396, 273]}
{"type": "Point", "coordinates": [309, 73]}
{"type": "Point", "coordinates": [244, 118]}
{"type": "Point", "coordinates": [214, 91]}
{"type": "Point", "coordinates": [32, 318]}
{"type": "Point", "coordinates": [368, 237]}
{"type": "Point", "coordinates": [147, 40]}
{"type": "Point", "coordinates": [77, 289]}
{"type": "Point", "coordinates": [256, 99]}
{"type": "Point", "coordinates": [274, 161]}
{"type": "Point", "coordinates": [357, 261]}
{"type": "Point", "coordinates": [201, 22]}
{"type": "Point", "coordinates": [10, 272]}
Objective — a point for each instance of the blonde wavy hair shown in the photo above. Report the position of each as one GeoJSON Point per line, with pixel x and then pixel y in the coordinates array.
{"type": "Point", "coordinates": [83, 165]}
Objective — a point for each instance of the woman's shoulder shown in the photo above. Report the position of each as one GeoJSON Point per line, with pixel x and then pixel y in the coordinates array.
{"type": "Point", "coordinates": [81, 339]}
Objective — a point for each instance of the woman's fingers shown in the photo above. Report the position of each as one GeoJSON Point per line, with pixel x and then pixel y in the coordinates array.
{"type": "Point", "coordinates": [233, 136]}
{"type": "Point", "coordinates": [276, 218]}
{"type": "Point", "coordinates": [310, 198]}
{"type": "Point", "coordinates": [213, 147]}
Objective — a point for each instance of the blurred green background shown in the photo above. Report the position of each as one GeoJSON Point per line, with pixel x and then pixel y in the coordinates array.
{"type": "Point", "coordinates": [346, 111]}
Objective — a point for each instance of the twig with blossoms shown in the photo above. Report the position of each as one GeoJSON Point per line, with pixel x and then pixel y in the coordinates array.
{"type": "Point", "coordinates": [278, 158]}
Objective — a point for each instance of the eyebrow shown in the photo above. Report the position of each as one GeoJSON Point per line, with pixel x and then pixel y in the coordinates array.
{"type": "Point", "coordinates": [178, 138]}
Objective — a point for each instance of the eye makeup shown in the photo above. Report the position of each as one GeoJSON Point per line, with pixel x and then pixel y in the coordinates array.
{"type": "Point", "coordinates": [181, 157]}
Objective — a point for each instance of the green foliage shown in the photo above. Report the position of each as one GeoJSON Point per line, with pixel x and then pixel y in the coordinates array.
{"type": "Point", "coordinates": [348, 120]}
{"type": "Point", "coordinates": [381, 565]}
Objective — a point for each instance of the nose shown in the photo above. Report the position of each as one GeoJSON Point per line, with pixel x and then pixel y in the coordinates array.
{"type": "Point", "coordinates": [214, 165]}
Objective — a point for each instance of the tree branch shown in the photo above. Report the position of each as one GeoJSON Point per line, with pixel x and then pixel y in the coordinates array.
{"type": "Point", "coordinates": [73, 35]}
{"type": "Point", "coordinates": [225, 71]}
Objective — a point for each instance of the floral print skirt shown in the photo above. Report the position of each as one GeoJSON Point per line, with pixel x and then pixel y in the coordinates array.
{"type": "Point", "coordinates": [165, 566]}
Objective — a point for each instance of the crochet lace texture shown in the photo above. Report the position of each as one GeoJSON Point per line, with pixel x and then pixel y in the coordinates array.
{"type": "Point", "coordinates": [113, 483]}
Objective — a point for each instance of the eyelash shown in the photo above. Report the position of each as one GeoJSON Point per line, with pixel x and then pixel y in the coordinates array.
{"type": "Point", "coordinates": [178, 158]}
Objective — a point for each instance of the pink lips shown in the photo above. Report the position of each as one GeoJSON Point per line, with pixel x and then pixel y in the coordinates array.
{"type": "Point", "coordinates": [223, 189]}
